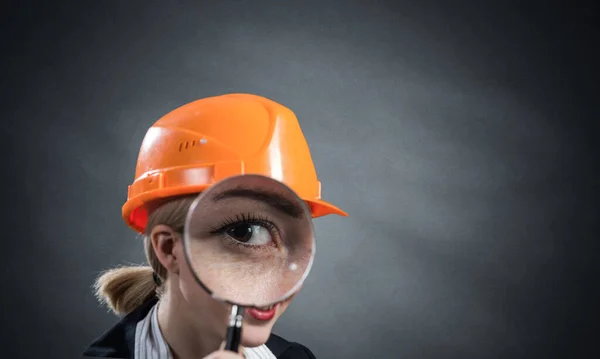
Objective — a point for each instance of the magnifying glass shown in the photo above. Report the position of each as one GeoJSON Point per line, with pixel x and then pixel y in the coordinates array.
{"type": "Point", "coordinates": [249, 241]}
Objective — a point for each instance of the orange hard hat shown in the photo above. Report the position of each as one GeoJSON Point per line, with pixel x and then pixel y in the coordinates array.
{"type": "Point", "coordinates": [213, 138]}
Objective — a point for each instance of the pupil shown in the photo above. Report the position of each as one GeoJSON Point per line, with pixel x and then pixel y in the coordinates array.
{"type": "Point", "coordinates": [241, 233]}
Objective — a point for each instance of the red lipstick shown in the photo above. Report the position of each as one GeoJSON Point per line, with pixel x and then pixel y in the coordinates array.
{"type": "Point", "coordinates": [262, 314]}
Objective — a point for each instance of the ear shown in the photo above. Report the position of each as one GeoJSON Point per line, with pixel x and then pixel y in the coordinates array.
{"type": "Point", "coordinates": [164, 240]}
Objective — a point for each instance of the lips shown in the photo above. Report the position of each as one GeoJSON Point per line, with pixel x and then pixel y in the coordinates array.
{"type": "Point", "coordinates": [262, 314]}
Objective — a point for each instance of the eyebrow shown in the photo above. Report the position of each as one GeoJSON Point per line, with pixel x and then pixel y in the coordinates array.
{"type": "Point", "coordinates": [274, 200]}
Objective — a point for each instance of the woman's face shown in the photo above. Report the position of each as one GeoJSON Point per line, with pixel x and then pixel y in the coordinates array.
{"type": "Point", "coordinates": [212, 316]}
{"type": "Point", "coordinates": [248, 242]}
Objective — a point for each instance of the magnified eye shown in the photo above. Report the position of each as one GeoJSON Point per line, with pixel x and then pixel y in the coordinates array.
{"type": "Point", "coordinates": [252, 234]}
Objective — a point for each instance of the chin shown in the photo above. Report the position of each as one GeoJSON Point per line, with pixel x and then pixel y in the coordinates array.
{"type": "Point", "coordinates": [253, 336]}
{"type": "Point", "coordinates": [256, 333]}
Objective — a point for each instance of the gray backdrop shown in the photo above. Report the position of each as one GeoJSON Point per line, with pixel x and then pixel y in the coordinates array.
{"type": "Point", "coordinates": [455, 135]}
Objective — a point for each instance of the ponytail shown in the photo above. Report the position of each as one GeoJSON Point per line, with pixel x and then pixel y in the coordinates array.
{"type": "Point", "coordinates": [124, 289]}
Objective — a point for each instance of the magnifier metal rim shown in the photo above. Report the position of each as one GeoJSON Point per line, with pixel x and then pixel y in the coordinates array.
{"type": "Point", "coordinates": [188, 259]}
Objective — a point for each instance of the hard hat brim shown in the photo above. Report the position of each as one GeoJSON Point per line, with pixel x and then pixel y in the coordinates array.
{"type": "Point", "coordinates": [320, 208]}
{"type": "Point", "coordinates": [135, 212]}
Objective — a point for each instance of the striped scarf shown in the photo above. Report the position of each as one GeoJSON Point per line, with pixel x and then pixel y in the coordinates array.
{"type": "Point", "coordinates": [150, 344]}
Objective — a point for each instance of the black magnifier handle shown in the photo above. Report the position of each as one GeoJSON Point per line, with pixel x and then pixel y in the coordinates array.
{"type": "Point", "coordinates": [234, 330]}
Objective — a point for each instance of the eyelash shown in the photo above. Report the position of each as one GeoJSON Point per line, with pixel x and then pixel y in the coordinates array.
{"type": "Point", "coordinates": [250, 219]}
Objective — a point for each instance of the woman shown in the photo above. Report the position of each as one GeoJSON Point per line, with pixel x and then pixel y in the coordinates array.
{"type": "Point", "coordinates": [182, 154]}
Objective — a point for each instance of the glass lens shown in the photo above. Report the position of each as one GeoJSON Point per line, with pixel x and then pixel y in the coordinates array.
{"type": "Point", "coordinates": [249, 240]}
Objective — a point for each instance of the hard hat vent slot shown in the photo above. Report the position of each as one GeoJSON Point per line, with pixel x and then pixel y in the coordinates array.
{"type": "Point", "coordinates": [191, 144]}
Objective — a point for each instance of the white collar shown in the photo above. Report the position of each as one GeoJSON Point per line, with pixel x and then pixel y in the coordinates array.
{"type": "Point", "coordinates": [150, 344]}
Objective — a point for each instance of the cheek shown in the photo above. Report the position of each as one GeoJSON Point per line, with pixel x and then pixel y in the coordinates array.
{"type": "Point", "coordinates": [194, 295]}
{"type": "Point", "coordinates": [208, 310]}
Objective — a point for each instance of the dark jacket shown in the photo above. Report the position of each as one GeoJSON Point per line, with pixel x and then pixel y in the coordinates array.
{"type": "Point", "coordinates": [118, 342]}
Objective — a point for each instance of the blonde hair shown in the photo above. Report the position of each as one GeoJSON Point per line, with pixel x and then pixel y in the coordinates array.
{"type": "Point", "coordinates": [125, 288]}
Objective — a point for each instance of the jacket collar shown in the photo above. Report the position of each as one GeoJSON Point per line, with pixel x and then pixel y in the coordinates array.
{"type": "Point", "coordinates": [118, 342]}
